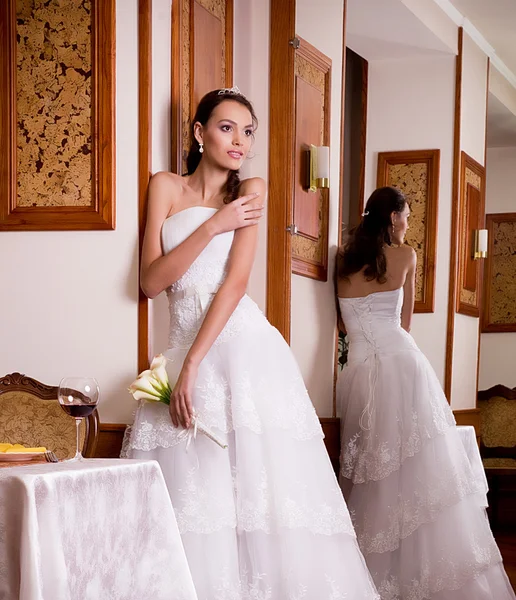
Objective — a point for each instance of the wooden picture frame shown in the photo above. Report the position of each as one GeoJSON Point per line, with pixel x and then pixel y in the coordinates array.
{"type": "Point", "coordinates": [199, 27]}
{"type": "Point", "coordinates": [71, 179]}
{"type": "Point", "coordinates": [312, 126]}
{"type": "Point", "coordinates": [470, 218]}
{"type": "Point", "coordinates": [499, 302]}
{"type": "Point", "coordinates": [416, 173]}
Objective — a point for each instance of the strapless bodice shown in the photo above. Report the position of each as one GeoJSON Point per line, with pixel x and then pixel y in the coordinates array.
{"type": "Point", "coordinates": [373, 324]}
{"type": "Point", "coordinates": [190, 296]}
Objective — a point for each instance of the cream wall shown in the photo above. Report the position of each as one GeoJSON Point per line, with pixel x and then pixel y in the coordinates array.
{"type": "Point", "coordinates": [161, 144]}
{"type": "Point", "coordinates": [68, 303]}
{"type": "Point", "coordinates": [497, 350]}
{"type": "Point", "coordinates": [418, 115]}
{"type": "Point", "coordinates": [472, 141]}
{"type": "Point", "coordinates": [313, 305]}
{"type": "Point", "coordinates": [251, 75]}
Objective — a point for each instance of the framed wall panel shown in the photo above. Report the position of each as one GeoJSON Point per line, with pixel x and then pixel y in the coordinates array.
{"type": "Point", "coordinates": [416, 173]}
{"type": "Point", "coordinates": [202, 60]}
{"type": "Point", "coordinates": [57, 115]}
{"type": "Point", "coordinates": [311, 209]}
{"type": "Point", "coordinates": [470, 218]}
{"type": "Point", "coordinates": [499, 303]}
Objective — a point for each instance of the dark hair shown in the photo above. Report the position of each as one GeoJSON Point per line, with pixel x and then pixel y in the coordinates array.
{"type": "Point", "coordinates": [202, 115]}
{"type": "Point", "coordinates": [365, 246]}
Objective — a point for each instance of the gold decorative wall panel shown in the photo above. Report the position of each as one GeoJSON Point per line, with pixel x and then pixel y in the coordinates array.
{"type": "Point", "coordinates": [57, 114]}
{"type": "Point", "coordinates": [470, 218]}
{"type": "Point", "coordinates": [53, 102]}
{"type": "Point", "coordinates": [499, 312]}
{"type": "Point", "coordinates": [312, 71]}
{"type": "Point", "coordinates": [416, 174]}
{"type": "Point", "coordinates": [202, 60]}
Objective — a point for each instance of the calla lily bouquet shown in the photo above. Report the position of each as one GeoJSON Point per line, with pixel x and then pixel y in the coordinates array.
{"type": "Point", "coordinates": [153, 385]}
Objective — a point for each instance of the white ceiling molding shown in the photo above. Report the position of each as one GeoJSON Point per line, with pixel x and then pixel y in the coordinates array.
{"type": "Point", "coordinates": [458, 18]}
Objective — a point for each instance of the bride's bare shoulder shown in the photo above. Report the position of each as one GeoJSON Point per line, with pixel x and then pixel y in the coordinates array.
{"type": "Point", "coordinates": [165, 191]}
{"type": "Point", "coordinates": [164, 179]}
{"type": "Point", "coordinates": [251, 185]}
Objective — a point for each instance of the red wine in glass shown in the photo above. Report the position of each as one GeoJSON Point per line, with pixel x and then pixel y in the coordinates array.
{"type": "Point", "coordinates": [79, 411]}
{"type": "Point", "coordinates": [78, 397]}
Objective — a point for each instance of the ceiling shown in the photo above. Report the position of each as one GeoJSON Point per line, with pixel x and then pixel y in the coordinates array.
{"type": "Point", "coordinates": [496, 21]}
{"type": "Point", "coordinates": [387, 29]}
{"type": "Point", "coordinates": [501, 124]}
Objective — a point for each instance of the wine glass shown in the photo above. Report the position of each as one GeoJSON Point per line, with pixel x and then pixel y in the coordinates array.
{"type": "Point", "coordinates": [78, 397]}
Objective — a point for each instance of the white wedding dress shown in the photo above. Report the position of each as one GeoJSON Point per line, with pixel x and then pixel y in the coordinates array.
{"type": "Point", "coordinates": [264, 519]}
{"type": "Point", "coordinates": [417, 506]}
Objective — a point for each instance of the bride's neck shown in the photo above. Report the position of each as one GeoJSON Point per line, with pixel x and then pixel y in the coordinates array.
{"type": "Point", "coordinates": [208, 181]}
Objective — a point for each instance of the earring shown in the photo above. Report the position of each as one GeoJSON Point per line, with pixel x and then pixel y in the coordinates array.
{"type": "Point", "coordinates": [201, 147]}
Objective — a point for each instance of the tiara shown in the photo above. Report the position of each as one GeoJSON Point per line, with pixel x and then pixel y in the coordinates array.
{"type": "Point", "coordinates": [233, 90]}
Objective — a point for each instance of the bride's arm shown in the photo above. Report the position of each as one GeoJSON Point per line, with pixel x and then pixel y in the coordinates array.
{"type": "Point", "coordinates": [158, 271]}
{"type": "Point", "coordinates": [230, 293]}
{"type": "Point", "coordinates": [409, 290]}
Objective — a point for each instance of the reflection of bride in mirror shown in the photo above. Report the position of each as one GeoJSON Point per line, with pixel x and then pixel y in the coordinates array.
{"type": "Point", "coordinates": [417, 504]}
{"type": "Point", "coordinates": [263, 519]}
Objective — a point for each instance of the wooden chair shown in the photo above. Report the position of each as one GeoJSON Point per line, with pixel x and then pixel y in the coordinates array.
{"type": "Point", "coordinates": [498, 444]}
{"type": "Point", "coordinates": [30, 414]}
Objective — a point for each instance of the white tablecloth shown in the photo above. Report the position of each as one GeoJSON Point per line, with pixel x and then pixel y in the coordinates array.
{"type": "Point", "coordinates": [92, 530]}
{"type": "Point", "coordinates": [469, 439]}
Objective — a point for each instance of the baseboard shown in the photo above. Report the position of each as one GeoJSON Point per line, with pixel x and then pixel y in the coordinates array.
{"type": "Point", "coordinates": [469, 416]}
{"type": "Point", "coordinates": [331, 430]}
{"type": "Point", "coordinates": [110, 439]}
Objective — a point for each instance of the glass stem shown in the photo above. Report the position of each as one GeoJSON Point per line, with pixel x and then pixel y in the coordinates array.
{"type": "Point", "coordinates": [78, 454]}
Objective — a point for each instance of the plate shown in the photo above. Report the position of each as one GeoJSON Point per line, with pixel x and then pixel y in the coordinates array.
{"type": "Point", "coordinates": [19, 456]}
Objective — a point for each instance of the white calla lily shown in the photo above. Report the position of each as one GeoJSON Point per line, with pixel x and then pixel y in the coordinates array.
{"type": "Point", "coordinates": [158, 361]}
{"type": "Point", "coordinates": [140, 395]}
{"type": "Point", "coordinates": [143, 384]}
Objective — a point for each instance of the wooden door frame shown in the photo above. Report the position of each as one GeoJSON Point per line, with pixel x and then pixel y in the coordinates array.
{"type": "Point", "coordinates": [144, 161]}
{"type": "Point", "coordinates": [281, 165]}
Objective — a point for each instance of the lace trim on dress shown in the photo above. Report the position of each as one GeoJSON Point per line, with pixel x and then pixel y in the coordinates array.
{"type": "Point", "coordinates": [424, 507]}
{"type": "Point", "coordinates": [257, 588]}
{"type": "Point", "coordinates": [452, 577]}
{"type": "Point", "coordinates": [199, 510]}
{"type": "Point", "coordinates": [372, 464]}
{"type": "Point", "coordinates": [292, 414]}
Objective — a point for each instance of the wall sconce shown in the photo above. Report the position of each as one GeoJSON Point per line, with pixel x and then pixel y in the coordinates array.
{"type": "Point", "coordinates": [318, 167]}
{"type": "Point", "coordinates": [480, 249]}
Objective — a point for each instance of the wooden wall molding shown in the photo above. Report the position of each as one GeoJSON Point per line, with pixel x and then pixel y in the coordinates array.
{"type": "Point", "coordinates": [196, 64]}
{"type": "Point", "coordinates": [341, 197]}
{"type": "Point", "coordinates": [281, 170]}
{"type": "Point", "coordinates": [99, 213]}
{"type": "Point", "coordinates": [405, 170]}
{"type": "Point", "coordinates": [452, 291]}
{"type": "Point", "coordinates": [471, 217]}
{"type": "Point", "coordinates": [470, 416]}
{"type": "Point", "coordinates": [482, 266]}
{"type": "Point", "coordinates": [144, 160]}
{"type": "Point", "coordinates": [110, 438]}
{"type": "Point", "coordinates": [310, 209]}
{"type": "Point", "coordinates": [363, 138]}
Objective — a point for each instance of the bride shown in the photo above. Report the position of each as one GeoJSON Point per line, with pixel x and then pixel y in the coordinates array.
{"type": "Point", "coordinates": [263, 519]}
{"type": "Point", "coordinates": [417, 507]}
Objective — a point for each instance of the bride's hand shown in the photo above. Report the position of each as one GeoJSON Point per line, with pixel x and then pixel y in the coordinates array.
{"type": "Point", "coordinates": [242, 212]}
{"type": "Point", "coordinates": [180, 408]}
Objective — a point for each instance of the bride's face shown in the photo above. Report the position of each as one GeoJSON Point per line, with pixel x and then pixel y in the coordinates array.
{"type": "Point", "coordinates": [228, 135]}
{"type": "Point", "coordinates": [400, 222]}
